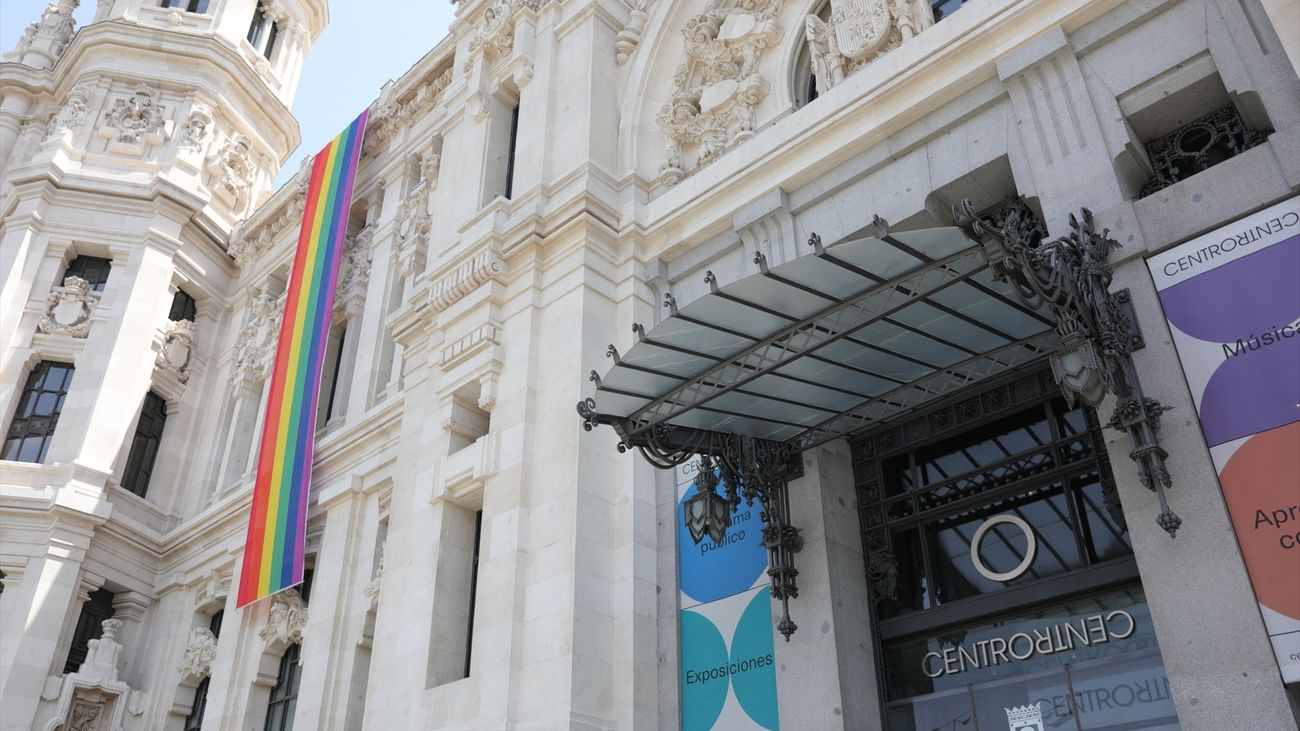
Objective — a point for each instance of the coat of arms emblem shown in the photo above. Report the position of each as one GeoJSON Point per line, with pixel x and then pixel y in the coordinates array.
{"type": "Point", "coordinates": [1025, 718]}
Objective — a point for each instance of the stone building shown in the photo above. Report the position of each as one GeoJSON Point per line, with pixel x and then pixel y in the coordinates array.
{"type": "Point", "coordinates": [550, 173]}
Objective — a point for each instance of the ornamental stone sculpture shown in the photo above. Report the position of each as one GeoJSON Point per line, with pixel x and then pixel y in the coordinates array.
{"type": "Point", "coordinates": [177, 349]}
{"type": "Point", "coordinates": [199, 654]}
{"type": "Point", "coordinates": [859, 32]}
{"type": "Point", "coordinates": [73, 112]}
{"type": "Point", "coordinates": [717, 88]}
{"type": "Point", "coordinates": [135, 123]}
{"type": "Point", "coordinates": [196, 127]}
{"type": "Point", "coordinates": [68, 309]}
{"type": "Point", "coordinates": [100, 664]}
{"type": "Point", "coordinates": [287, 621]}
{"type": "Point", "coordinates": [233, 170]}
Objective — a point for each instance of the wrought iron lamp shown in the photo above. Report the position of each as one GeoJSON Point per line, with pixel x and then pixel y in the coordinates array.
{"type": "Point", "coordinates": [1071, 275]}
{"type": "Point", "coordinates": [707, 512]}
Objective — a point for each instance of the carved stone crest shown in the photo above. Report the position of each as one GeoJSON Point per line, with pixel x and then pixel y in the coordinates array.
{"type": "Point", "coordinates": [233, 170]}
{"type": "Point", "coordinates": [177, 349]}
{"type": "Point", "coordinates": [200, 651]}
{"type": "Point", "coordinates": [73, 113]}
{"type": "Point", "coordinates": [717, 87]}
{"type": "Point", "coordinates": [858, 32]}
{"type": "Point", "coordinates": [287, 621]}
{"type": "Point", "coordinates": [135, 122]}
{"type": "Point", "coordinates": [68, 309]}
{"type": "Point", "coordinates": [196, 127]}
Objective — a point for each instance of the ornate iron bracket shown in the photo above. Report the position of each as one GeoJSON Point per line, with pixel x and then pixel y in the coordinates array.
{"type": "Point", "coordinates": [1071, 276]}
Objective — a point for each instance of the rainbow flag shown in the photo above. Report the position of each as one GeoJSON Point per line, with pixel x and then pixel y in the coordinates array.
{"type": "Point", "coordinates": [273, 551]}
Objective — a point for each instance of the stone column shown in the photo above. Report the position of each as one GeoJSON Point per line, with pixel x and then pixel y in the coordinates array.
{"type": "Point", "coordinates": [48, 596]}
{"type": "Point", "coordinates": [111, 380]}
{"type": "Point", "coordinates": [1221, 667]}
{"type": "Point", "coordinates": [834, 633]}
{"type": "Point", "coordinates": [337, 609]}
{"type": "Point", "coordinates": [13, 111]}
{"type": "Point", "coordinates": [131, 607]}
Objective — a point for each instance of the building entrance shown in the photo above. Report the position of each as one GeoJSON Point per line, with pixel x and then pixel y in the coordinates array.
{"type": "Point", "coordinates": [1005, 594]}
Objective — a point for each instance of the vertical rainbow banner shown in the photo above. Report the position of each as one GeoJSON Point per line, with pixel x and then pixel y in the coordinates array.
{"type": "Point", "coordinates": [273, 551]}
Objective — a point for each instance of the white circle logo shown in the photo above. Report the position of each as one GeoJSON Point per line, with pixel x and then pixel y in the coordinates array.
{"type": "Point", "coordinates": [1030, 549]}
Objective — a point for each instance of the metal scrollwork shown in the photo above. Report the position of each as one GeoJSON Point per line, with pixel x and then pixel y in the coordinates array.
{"type": "Point", "coordinates": [1071, 275]}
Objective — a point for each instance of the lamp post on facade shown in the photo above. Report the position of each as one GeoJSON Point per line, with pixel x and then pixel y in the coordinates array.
{"type": "Point", "coordinates": [1098, 331]}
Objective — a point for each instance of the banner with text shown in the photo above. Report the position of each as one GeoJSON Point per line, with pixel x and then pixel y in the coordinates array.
{"type": "Point", "coordinates": [728, 660]}
{"type": "Point", "coordinates": [1232, 300]}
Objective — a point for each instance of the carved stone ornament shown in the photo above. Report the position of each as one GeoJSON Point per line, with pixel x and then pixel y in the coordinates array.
{"type": "Point", "coordinates": [233, 170]}
{"type": "Point", "coordinates": [413, 227]}
{"type": "Point", "coordinates": [100, 664]}
{"type": "Point", "coordinates": [134, 123]}
{"type": "Point", "coordinates": [860, 31]}
{"type": "Point", "coordinates": [391, 112]}
{"type": "Point", "coordinates": [200, 651]}
{"type": "Point", "coordinates": [350, 293]}
{"type": "Point", "coordinates": [73, 112]}
{"type": "Point", "coordinates": [371, 590]}
{"type": "Point", "coordinates": [196, 129]}
{"type": "Point", "coordinates": [629, 37]}
{"type": "Point", "coordinates": [50, 35]}
{"type": "Point", "coordinates": [257, 341]}
{"type": "Point", "coordinates": [68, 309]}
{"type": "Point", "coordinates": [287, 620]}
{"type": "Point", "coordinates": [85, 716]}
{"type": "Point", "coordinates": [177, 351]}
{"type": "Point", "coordinates": [246, 245]}
{"type": "Point", "coordinates": [717, 88]}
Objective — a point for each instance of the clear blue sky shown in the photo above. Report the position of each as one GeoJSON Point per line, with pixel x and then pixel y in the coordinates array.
{"type": "Point", "coordinates": [363, 47]}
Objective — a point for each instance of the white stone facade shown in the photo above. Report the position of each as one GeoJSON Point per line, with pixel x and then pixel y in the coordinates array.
{"type": "Point", "coordinates": [656, 141]}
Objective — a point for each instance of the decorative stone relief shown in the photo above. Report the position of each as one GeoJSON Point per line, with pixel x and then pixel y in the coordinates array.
{"type": "Point", "coordinates": [200, 651]}
{"type": "Point", "coordinates": [68, 309]}
{"type": "Point", "coordinates": [245, 245]}
{"type": "Point", "coordinates": [135, 123]}
{"type": "Point", "coordinates": [287, 620]}
{"type": "Point", "coordinates": [717, 87]}
{"type": "Point", "coordinates": [495, 36]}
{"type": "Point", "coordinates": [233, 170]}
{"type": "Point", "coordinates": [859, 32]}
{"type": "Point", "coordinates": [49, 35]}
{"type": "Point", "coordinates": [392, 113]}
{"type": "Point", "coordinates": [482, 268]}
{"type": "Point", "coordinates": [100, 664]}
{"type": "Point", "coordinates": [92, 698]}
{"type": "Point", "coordinates": [350, 293]}
{"type": "Point", "coordinates": [413, 226]}
{"type": "Point", "coordinates": [73, 112]}
{"type": "Point", "coordinates": [629, 37]}
{"type": "Point", "coordinates": [85, 716]}
{"type": "Point", "coordinates": [253, 353]}
{"type": "Point", "coordinates": [371, 590]}
{"type": "Point", "coordinates": [195, 132]}
{"type": "Point", "coordinates": [177, 351]}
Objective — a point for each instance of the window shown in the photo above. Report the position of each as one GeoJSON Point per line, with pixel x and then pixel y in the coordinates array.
{"type": "Point", "coordinates": [189, 6]}
{"type": "Point", "coordinates": [97, 608]}
{"type": "Point", "coordinates": [284, 696]}
{"type": "Point", "coordinates": [38, 412]}
{"type": "Point", "coordinates": [944, 8]}
{"type": "Point", "coordinates": [262, 32]}
{"type": "Point", "coordinates": [144, 447]}
{"type": "Point", "coordinates": [194, 721]}
{"type": "Point", "coordinates": [473, 588]}
{"type": "Point", "coordinates": [332, 394]}
{"type": "Point", "coordinates": [510, 156]}
{"type": "Point", "coordinates": [93, 269]}
{"type": "Point", "coordinates": [183, 307]}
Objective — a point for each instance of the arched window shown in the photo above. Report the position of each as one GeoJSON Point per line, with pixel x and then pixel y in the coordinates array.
{"type": "Point", "coordinates": [284, 696]}
{"type": "Point", "coordinates": [804, 78]}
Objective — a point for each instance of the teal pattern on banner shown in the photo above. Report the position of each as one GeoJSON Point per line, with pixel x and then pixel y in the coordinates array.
{"type": "Point", "coordinates": [728, 663]}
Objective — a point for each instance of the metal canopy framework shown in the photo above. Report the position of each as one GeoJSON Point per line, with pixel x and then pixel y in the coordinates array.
{"type": "Point", "coordinates": [819, 347]}
{"type": "Point", "coordinates": [829, 345]}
